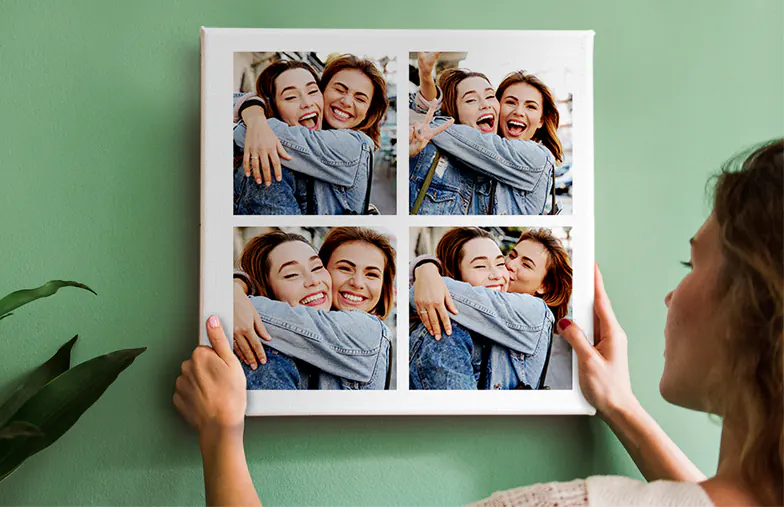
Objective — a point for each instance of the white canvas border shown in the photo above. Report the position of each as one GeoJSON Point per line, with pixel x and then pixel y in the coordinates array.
{"type": "Point", "coordinates": [218, 221]}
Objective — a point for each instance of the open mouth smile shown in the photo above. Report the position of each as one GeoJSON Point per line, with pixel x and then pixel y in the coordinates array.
{"type": "Point", "coordinates": [314, 299]}
{"type": "Point", "coordinates": [516, 127]}
{"type": "Point", "coordinates": [340, 114]}
{"type": "Point", "coordinates": [309, 120]}
{"type": "Point", "coordinates": [352, 298]}
{"type": "Point", "coordinates": [486, 122]}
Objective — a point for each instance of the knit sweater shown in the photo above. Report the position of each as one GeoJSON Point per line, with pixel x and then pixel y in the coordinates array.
{"type": "Point", "coordinates": [601, 491]}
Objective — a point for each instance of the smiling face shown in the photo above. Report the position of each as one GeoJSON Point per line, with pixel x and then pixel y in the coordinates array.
{"type": "Point", "coordinates": [521, 111]}
{"type": "Point", "coordinates": [691, 346]}
{"type": "Point", "coordinates": [357, 270]}
{"type": "Point", "coordinates": [477, 106]}
{"type": "Point", "coordinates": [527, 265]}
{"type": "Point", "coordinates": [347, 99]}
{"type": "Point", "coordinates": [482, 265]}
{"type": "Point", "coordinates": [298, 277]}
{"type": "Point", "coordinates": [298, 99]}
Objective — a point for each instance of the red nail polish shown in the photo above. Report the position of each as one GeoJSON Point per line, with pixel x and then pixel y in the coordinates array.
{"type": "Point", "coordinates": [564, 323]}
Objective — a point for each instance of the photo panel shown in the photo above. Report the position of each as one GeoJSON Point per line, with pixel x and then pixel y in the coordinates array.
{"type": "Point", "coordinates": [326, 297]}
{"type": "Point", "coordinates": [327, 119]}
{"type": "Point", "coordinates": [508, 287]}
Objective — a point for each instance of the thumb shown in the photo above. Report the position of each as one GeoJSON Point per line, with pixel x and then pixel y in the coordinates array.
{"type": "Point", "coordinates": [282, 151]}
{"type": "Point", "coordinates": [450, 304]}
{"type": "Point", "coordinates": [218, 340]}
{"type": "Point", "coordinates": [572, 333]}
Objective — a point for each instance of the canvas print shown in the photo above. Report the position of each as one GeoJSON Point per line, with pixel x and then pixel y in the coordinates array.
{"type": "Point", "coordinates": [314, 133]}
{"type": "Point", "coordinates": [359, 282]}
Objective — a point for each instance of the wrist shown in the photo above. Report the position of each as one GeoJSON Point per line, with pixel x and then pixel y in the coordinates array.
{"type": "Point", "coordinates": [253, 113]}
{"type": "Point", "coordinates": [240, 284]}
{"type": "Point", "coordinates": [622, 410]}
{"type": "Point", "coordinates": [213, 436]}
{"type": "Point", "coordinates": [426, 265]}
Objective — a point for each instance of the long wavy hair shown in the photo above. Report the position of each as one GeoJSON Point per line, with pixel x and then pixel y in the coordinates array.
{"type": "Point", "coordinates": [340, 235]}
{"type": "Point", "coordinates": [749, 395]}
{"type": "Point", "coordinates": [558, 279]}
{"type": "Point", "coordinates": [547, 134]}
{"type": "Point", "coordinates": [379, 103]}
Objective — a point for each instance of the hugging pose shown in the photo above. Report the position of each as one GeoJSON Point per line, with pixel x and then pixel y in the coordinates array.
{"type": "Point", "coordinates": [323, 310]}
{"type": "Point", "coordinates": [314, 135]}
{"type": "Point", "coordinates": [492, 151]}
{"type": "Point", "coordinates": [502, 311]}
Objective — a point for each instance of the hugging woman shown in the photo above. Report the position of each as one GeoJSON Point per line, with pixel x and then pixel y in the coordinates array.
{"type": "Point", "coordinates": [324, 310]}
{"type": "Point", "coordinates": [324, 128]}
{"type": "Point", "coordinates": [499, 156]}
{"type": "Point", "coordinates": [503, 309]}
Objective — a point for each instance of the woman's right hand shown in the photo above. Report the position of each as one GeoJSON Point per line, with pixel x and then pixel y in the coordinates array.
{"type": "Point", "coordinates": [419, 134]}
{"type": "Point", "coordinates": [432, 300]}
{"type": "Point", "coordinates": [603, 366]}
{"type": "Point", "coordinates": [263, 149]}
{"type": "Point", "coordinates": [427, 61]}
{"type": "Point", "coordinates": [248, 327]}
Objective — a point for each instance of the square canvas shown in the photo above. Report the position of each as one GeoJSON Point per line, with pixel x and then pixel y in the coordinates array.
{"type": "Point", "coordinates": [353, 251]}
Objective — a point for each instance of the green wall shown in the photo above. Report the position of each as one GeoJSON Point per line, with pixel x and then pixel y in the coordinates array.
{"type": "Point", "coordinates": [99, 157]}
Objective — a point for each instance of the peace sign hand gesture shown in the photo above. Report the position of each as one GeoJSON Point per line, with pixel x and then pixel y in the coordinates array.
{"type": "Point", "coordinates": [419, 134]}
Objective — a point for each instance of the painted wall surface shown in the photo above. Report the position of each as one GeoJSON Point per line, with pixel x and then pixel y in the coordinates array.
{"type": "Point", "coordinates": [99, 182]}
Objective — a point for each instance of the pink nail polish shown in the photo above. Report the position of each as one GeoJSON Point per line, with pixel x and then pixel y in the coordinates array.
{"type": "Point", "coordinates": [213, 322]}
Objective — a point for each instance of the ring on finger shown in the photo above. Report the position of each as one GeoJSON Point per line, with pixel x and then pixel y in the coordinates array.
{"type": "Point", "coordinates": [254, 156]}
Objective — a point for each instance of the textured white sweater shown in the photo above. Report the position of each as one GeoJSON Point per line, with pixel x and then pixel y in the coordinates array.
{"type": "Point", "coordinates": [601, 491]}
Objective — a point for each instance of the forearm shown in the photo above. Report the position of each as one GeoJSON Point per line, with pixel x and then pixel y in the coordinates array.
{"type": "Point", "coordinates": [655, 454]}
{"type": "Point", "coordinates": [427, 85]}
{"type": "Point", "coordinates": [227, 480]}
{"type": "Point", "coordinates": [519, 164]}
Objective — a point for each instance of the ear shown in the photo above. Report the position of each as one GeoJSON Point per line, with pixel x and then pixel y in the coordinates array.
{"type": "Point", "coordinates": [542, 290]}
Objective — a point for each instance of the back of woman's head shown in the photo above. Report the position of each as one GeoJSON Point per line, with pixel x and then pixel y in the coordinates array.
{"type": "Point", "coordinates": [379, 103]}
{"type": "Point", "coordinates": [254, 260]}
{"type": "Point", "coordinates": [265, 84]}
{"type": "Point", "coordinates": [749, 209]}
{"type": "Point", "coordinates": [448, 81]}
{"type": "Point", "coordinates": [547, 134]}
{"type": "Point", "coordinates": [340, 235]}
{"type": "Point", "coordinates": [449, 250]}
{"type": "Point", "coordinates": [558, 279]}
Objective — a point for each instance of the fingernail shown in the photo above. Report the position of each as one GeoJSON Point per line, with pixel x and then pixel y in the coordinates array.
{"type": "Point", "coordinates": [258, 181]}
{"type": "Point", "coordinates": [278, 178]}
{"type": "Point", "coordinates": [563, 324]}
{"type": "Point", "coordinates": [419, 131]}
{"type": "Point", "coordinates": [253, 366]}
{"type": "Point", "coordinates": [263, 361]}
{"type": "Point", "coordinates": [269, 183]}
{"type": "Point", "coordinates": [438, 338]}
{"type": "Point", "coordinates": [449, 332]}
{"type": "Point", "coordinates": [213, 322]}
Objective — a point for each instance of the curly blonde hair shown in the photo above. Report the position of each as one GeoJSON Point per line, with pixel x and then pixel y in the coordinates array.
{"type": "Point", "coordinates": [749, 208]}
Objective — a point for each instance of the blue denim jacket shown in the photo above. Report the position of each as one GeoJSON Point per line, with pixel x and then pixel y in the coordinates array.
{"type": "Point", "coordinates": [522, 169]}
{"type": "Point", "coordinates": [517, 328]}
{"type": "Point", "coordinates": [338, 161]}
{"type": "Point", "coordinates": [350, 348]}
{"type": "Point", "coordinates": [454, 190]}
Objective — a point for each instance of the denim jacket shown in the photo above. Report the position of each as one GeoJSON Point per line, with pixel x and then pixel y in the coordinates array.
{"type": "Point", "coordinates": [351, 345]}
{"type": "Point", "coordinates": [516, 329]}
{"type": "Point", "coordinates": [338, 161]}
{"type": "Point", "coordinates": [522, 169]}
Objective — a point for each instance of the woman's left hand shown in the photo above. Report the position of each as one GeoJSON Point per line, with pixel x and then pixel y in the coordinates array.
{"type": "Point", "coordinates": [419, 134]}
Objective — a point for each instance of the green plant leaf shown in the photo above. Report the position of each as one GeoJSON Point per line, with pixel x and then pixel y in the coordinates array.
{"type": "Point", "coordinates": [20, 429]}
{"type": "Point", "coordinates": [41, 376]}
{"type": "Point", "coordinates": [59, 404]}
{"type": "Point", "coordinates": [22, 297]}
